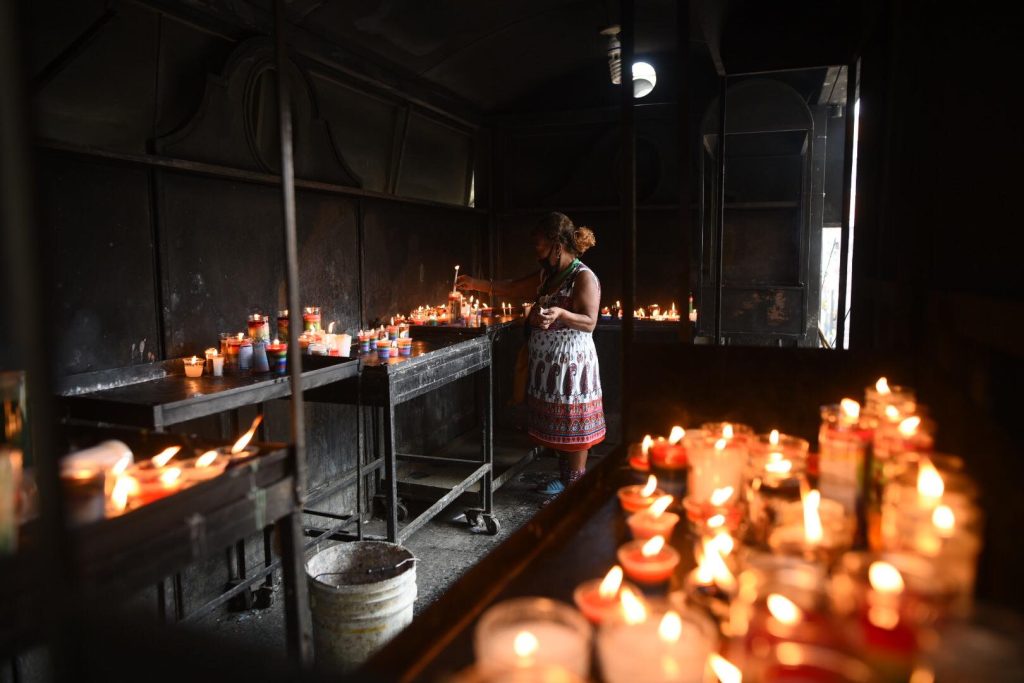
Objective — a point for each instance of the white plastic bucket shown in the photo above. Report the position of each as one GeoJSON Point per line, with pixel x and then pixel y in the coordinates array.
{"type": "Point", "coordinates": [361, 594]}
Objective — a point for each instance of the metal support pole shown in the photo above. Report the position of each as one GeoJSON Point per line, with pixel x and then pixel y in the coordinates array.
{"type": "Point", "coordinates": [391, 468]}
{"type": "Point", "coordinates": [844, 243]}
{"type": "Point", "coordinates": [297, 617]}
{"type": "Point", "coordinates": [720, 209]}
{"type": "Point", "coordinates": [23, 269]}
{"type": "Point", "coordinates": [627, 199]}
{"type": "Point", "coordinates": [487, 417]}
{"type": "Point", "coordinates": [684, 90]}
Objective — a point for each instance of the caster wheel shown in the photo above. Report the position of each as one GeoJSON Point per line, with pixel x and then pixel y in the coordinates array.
{"type": "Point", "coordinates": [492, 525]}
{"type": "Point", "coordinates": [473, 517]}
{"type": "Point", "coordinates": [403, 512]}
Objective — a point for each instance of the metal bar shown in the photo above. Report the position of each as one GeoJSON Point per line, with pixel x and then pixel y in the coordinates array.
{"type": "Point", "coordinates": [343, 481]}
{"type": "Point", "coordinates": [684, 88]}
{"type": "Point", "coordinates": [844, 242]}
{"type": "Point", "coordinates": [391, 470]}
{"type": "Point", "coordinates": [360, 446]}
{"type": "Point", "coordinates": [487, 488]}
{"type": "Point", "coordinates": [441, 459]}
{"type": "Point", "coordinates": [23, 269]}
{"type": "Point", "coordinates": [432, 511]}
{"type": "Point", "coordinates": [514, 470]}
{"type": "Point", "coordinates": [297, 616]}
{"type": "Point", "coordinates": [218, 171]}
{"type": "Point", "coordinates": [627, 196]}
{"type": "Point", "coordinates": [179, 597]}
{"type": "Point", "coordinates": [71, 52]}
{"type": "Point", "coordinates": [397, 149]}
{"type": "Point", "coordinates": [329, 515]}
{"type": "Point", "coordinates": [720, 209]}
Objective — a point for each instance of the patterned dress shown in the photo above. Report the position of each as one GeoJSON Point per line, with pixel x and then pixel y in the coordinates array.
{"type": "Point", "coordinates": [564, 387]}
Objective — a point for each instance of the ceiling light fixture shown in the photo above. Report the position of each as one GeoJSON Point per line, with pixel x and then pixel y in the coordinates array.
{"type": "Point", "coordinates": [644, 76]}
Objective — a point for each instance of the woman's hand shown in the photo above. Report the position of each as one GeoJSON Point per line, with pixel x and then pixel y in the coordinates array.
{"type": "Point", "coordinates": [468, 283]}
{"type": "Point", "coordinates": [546, 317]}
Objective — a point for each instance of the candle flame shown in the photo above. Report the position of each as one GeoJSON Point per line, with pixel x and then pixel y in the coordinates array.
{"type": "Point", "coordinates": [170, 475]}
{"type": "Point", "coordinates": [892, 413]}
{"type": "Point", "coordinates": [125, 487]}
{"type": "Point", "coordinates": [671, 627]}
{"type": "Point", "coordinates": [784, 610]}
{"type": "Point", "coordinates": [658, 507]}
{"type": "Point", "coordinates": [652, 547]}
{"type": "Point", "coordinates": [813, 531]}
{"type": "Point", "coordinates": [727, 431]}
{"type": "Point", "coordinates": [711, 566]}
{"type": "Point", "coordinates": [633, 609]}
{"type": "Point", "coordinates": [611, 583]}
{"type": "Point", "coordinates": [929, 482]}
{"type": "Point", "coordinates": [721, 496]}
{"type": "Point", "coordinates": [773, 438]}
{"type": "Point", "coordinates": [716, 521]}
{"type": "Point", "coordinates": [943, 518]}
{"type": "Point", "coordinates": [908, 427]}
{"type": "Point", "coordinates": [194, 360]}
{"type": "Point", "coordinates": [885, 578]}
{"type": "Point", "coordinates": [121, 465]}
{"type": "Point", "coordinates": [244, 440]}
{"type": "Point", "coordinates": [525, 644]}
{"type": "Point", "coordinates": [650, 487]}
{"type": "Point", "coordinates": [882, 386]}
{"type": "Point", "coordinates": [276, 342]}
{"type": "Point", "coordinates": [725, 671]}
{"type": "Point", "coordinates": [777, 464]}
{"type": "Point", "coordinates": [850, 408]}
{"type": "Point", "coordinates": [645, 445]}
{"type": "Point", "coordinates": [720, 445]}
{"type": "Point", "coordinates": [330, 327]}
{"type": "Point", "coordinates": [206, 459]}
{"type": "Point", "coordinates": [164, 456]}
{"type": "Point", "coordinates": [676, 435]}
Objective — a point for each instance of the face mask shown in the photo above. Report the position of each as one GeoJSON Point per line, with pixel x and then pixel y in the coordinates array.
{"type": "Point", "coordinates": [546, 265]}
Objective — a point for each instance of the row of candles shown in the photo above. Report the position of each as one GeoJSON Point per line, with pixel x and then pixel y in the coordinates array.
{"type": "Point", "coordinates": [841, 565]}
{"type": "Point", "coordinates": [106, 480]}
{"type": "Point", "coordinates": [256, 351]}
{"type": "Point", "coordinates": [653, 312]}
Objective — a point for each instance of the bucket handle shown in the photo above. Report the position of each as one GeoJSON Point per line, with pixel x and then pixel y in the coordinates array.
{"type": "Point", "coordinates": [371, 570]}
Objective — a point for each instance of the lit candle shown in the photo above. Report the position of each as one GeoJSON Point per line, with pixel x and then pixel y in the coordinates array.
{"type": "Point", "coordinates": [282, 324]}
{"type": "Point", "coordinates": [668, 459]}
{"type": "Point", "coordinates": [635, 498]}
{"type": "Point", "coordinates": [842, 446]}
{"type": "Point", "coordinates": [526, 633]}
{"type": "Point", "coordinates": [259, 327]}
{"type": "Point", "coordinates": [816, 529]}
{"type": "Point", "coordinates": [654, 521]}
{"type": "Point", "coordinates": [207, 466]}
{"type": "Point", "coordinates": [648, 561]}
{"type": "Point", "coordinates": [639, 458]}
{"type": "Point", "coordinates": [713, 582]}
{"type": "Point", "coordinates": [777, 469]}
{"type": "Point", "coordinates": [311, 319]}
{"type": "Point", "coordinates": [598, 598]}
{"type": "Point", "coordinates": [716, 465]}
{"type": "Point", "coordinates": [194, 366]}
{"type": "Point", "coordinates": [649, 644]}
{"type": "Point", "coordinates": [241, 449]}
{"type": "Point", "coordinates": [217, 362]}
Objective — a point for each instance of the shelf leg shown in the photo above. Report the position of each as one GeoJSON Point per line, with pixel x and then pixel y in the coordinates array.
{"type": "Point", "coordinates": [487, 418]}
{"type": "Point", "coordinates": [298, 623]}
{"type": "Point", "coordinates": [390, 466]}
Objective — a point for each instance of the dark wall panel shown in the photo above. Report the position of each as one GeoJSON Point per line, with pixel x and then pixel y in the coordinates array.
{"type": "Point", "coordinates": [435, 161]}
{"type": "Point", "coordinates": [411, 254]}
{"type": "Point", "coordinates": [224, 257]}
{"type": "Point", "coordinates": [96, 220]}
{"type": "Point", "coordinates": [105, 96]}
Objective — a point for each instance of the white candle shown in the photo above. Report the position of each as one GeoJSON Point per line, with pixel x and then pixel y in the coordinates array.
{"type": "Point", "coordinates": [715, 465]}
{"type": "Point", "coordinates": [540, 643]}
{"type": "Point", "coordinates": [664, 647]}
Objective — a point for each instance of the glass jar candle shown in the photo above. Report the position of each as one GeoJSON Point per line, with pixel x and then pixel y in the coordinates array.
{"type": "Point", "coordinates": [311, 319]}
{"type": "Point", "coordinates": [776, 471]}
{"type": "Point", "coordinates": [282, 325]}
{"type": "Point", "coordinates": [842, 448]}
{"type": "Point", "coordinates": [715, 482]}
{"type": "Point", "coordinates": [259, 327]}
{"type": "Point", "coordinates": [661, 642]}
{"type": "Point", "coordinates": [667, 459]}
{"type": "Point", "coordinates": [528, 632]}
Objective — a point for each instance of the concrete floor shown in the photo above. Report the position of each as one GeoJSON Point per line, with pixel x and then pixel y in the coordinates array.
{"type": "Point", "coordinates": [446, 547]}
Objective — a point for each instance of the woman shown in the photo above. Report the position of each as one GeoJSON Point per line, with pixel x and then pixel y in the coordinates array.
{"type": "Point", "coordinates": [564, 385]}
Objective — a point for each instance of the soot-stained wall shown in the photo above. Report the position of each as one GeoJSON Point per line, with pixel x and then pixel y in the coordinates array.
{"type": "Point", "coordinates": [150, 262]}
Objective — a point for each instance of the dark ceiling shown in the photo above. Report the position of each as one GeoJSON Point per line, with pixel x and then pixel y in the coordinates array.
{"type": "Point", "coordinates": [489, 53]}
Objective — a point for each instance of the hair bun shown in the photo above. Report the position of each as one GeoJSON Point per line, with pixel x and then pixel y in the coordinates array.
{"type": "Point", "coordinates": [583, 239]}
